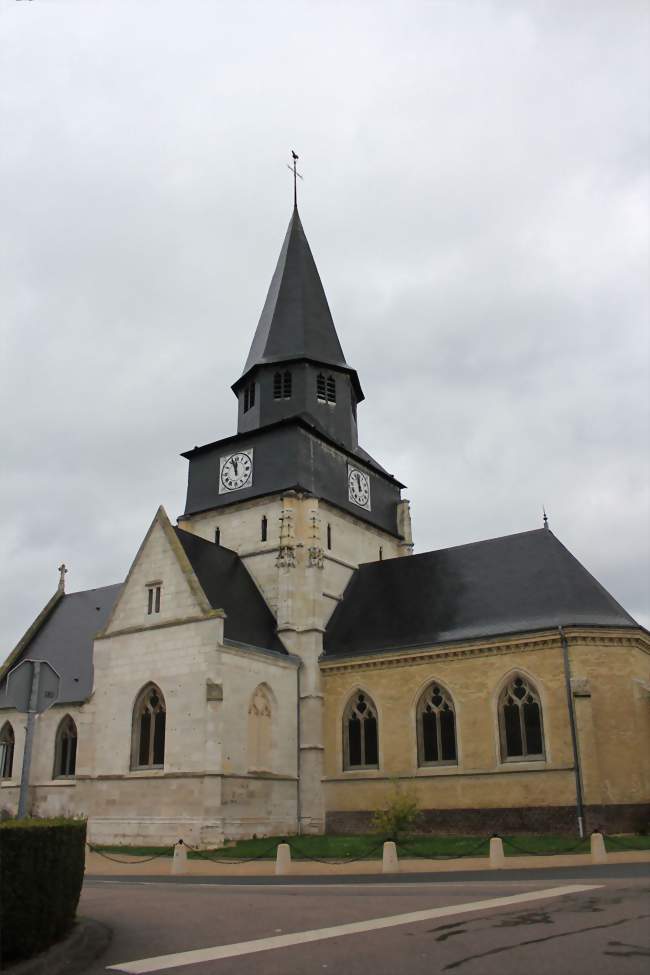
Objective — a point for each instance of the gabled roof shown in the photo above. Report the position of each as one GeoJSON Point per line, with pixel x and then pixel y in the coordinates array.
{"type": "Point", "coordinates": [296, 322]}
{"type": "Point", "coordinates": [65, 640]}
{"type": "Point", "coordinates": [227, 584]}
{"type": "Point", "coordinates": [515, 584]}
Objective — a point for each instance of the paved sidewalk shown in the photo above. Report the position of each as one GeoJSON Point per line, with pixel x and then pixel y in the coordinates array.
{"type": "Point", "coordinates": [97, 865]}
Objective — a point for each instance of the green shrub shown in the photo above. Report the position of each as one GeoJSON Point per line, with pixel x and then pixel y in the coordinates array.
{"type": "Point", "coordinates": [41, 872]}
{"type": "Point", "coordinates": [400, 815]}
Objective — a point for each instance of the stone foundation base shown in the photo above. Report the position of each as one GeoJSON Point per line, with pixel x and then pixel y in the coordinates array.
{"type": "Point", "coordinates": [629, 818]}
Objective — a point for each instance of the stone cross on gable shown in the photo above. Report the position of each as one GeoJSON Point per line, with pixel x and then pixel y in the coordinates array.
{"type": "Point", "coordinates": [62, 572]}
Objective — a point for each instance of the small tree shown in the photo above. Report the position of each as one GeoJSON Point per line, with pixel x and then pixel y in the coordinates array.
{"type": "Point", "coordinates": [401, 812]}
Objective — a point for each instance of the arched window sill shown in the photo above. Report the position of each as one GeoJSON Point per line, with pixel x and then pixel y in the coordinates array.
{"type": "Point", "coordinates": [362, 769]}
{"type": "Point", "coordinates": [64, 780]}
{"type": "Point", "coordinates": [150, 771]}
{"type": "Point", "coordinates": [8, 783]}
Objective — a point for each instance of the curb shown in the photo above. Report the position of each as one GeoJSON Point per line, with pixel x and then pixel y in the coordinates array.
{"type": "Point", "coordinates": [87, 940]}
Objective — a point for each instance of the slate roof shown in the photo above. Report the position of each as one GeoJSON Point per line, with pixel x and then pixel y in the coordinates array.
{"type": "Point", "coordinates": [226, 582]}
{"type": "Point", "coordinates": [296, 322]}
{"type": "Point", "coordinates": [66, 640]}
{"type": "Point", "coordinates": [515, 584]}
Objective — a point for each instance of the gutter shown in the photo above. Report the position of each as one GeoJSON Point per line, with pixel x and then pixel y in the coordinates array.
{"type": "Point", "coordinates": [574, 732]}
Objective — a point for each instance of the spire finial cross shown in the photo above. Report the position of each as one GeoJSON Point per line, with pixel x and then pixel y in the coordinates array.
{"type": "Point", "coordinates": [545, 517]}
{"type": "Point", "coordinates": [62, 572]}
{"type": "Point", "coordinates": [296, 177]}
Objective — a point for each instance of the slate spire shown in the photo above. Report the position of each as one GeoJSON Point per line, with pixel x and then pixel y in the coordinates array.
{"type": "Point", "coordinates": [296, 322]}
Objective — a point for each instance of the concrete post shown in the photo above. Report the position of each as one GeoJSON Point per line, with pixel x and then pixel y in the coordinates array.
{"type": "Point", "coordinates": [283, 860]}
{"type": "Point", "coordinates": [497, 857]}
{"type": "Point", "coordinates": [598, 850]}
{"type": "Point", "coordinates": [179, 860]}
{"type": "Point", "coordinates": [390, 861]}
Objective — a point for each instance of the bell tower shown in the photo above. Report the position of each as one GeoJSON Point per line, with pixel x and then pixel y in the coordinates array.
{"type": "Point", "coordinates": [292, 492]}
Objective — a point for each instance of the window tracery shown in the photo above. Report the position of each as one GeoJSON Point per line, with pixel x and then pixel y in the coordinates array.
{"type": "Point", "coordinates": [149, 719]}
{"type": "Point", "coordinates": [520, 720]}
{"type": "Point", "coordinates": [360, 733]}
{"type": "Point", "coordinates": [436, 727]}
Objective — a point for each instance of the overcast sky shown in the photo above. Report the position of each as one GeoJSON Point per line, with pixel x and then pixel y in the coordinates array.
{"type": "Point", "coordinates": [476, 197]}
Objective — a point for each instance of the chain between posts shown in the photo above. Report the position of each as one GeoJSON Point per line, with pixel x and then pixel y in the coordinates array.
{"type": "Point", "coordinates": [368, 855]}
{"type": "Point", "coordinates": [547, 853]}
{"type": "Point", "coordinates": [168, 851]}
{"type": "Point", "coordinates": [441, 856]}
{"type": "Point", "coordinates": [616, 840]}
{"type": "Point", "coordinates": [263, 855]}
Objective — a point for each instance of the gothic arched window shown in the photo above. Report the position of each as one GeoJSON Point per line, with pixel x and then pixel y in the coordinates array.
{"type": "Point", "coordinates": [260, 715]}
{"type": "Point", "coordinates": [7, 741]}
{"type": "Point", "coordinates": [149, 729]}
{"type": "Point", "coordinates": [277, 385]}
{"type": "Point", "coordinates": [520, 720]}
{"type": "Point", "coordinates": [286, 384]}
{"type": "Point", "coordinates": [65, 749]}
{"type": "Point", "coordinates": [360, 733]}
{"type": "Point", "coordinates": [331, 389]}
{"type": "Point", "coordinates": [321, 392]}
{"type": "Point", "coordinates": [436, 727]}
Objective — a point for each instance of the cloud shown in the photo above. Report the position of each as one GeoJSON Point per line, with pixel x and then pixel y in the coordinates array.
{"type": "Point", "coordinates": [476, 198]}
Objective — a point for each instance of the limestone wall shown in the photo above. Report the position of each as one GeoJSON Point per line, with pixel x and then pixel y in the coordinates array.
{"type": "Point", "coordinates": [612, 735]}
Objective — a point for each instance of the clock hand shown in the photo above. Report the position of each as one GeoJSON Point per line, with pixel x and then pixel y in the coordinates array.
{"type": "Point", "coordinates": [234, 464]}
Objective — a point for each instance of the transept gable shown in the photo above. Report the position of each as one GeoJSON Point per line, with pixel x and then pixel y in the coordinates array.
{"type": "Point", "coordinates": [161, 586]}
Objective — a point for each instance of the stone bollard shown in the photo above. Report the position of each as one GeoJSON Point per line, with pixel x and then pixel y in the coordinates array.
{"type": "Point", "coordinates": [389, 860]}
{"type": "Point", "coordinates": [283, 860]}
{"type": "Point", "coordinates": [497, 857]}
{"type": "Point", "coordinates": [179, 860]}
{"type": "Point", "coordinates": [598, 849]}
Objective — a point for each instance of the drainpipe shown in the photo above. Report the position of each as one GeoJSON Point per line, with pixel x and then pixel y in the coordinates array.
{"type": "Point", "coordinates": [574, 732]}
{"type": "Point", "coordinates": [298, 802]}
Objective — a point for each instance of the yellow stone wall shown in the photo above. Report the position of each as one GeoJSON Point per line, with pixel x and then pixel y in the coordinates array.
{"type": "Point", "coordinates": [614, 723]}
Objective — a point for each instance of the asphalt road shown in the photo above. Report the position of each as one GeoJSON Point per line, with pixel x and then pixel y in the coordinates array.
{"type": "Point", "coordinates": [570, 920]}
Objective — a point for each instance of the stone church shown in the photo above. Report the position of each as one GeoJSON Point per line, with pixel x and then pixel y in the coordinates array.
{"type": "Point", "coordinates": [277, 659]}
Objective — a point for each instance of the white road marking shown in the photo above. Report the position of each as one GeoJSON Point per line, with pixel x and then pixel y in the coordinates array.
{"type": "Point", "coordinates": [198, 955]}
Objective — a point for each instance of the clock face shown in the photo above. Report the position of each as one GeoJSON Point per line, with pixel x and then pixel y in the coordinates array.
{"type": "Point", "coordinates": [358, 488]}
{"type": "Point", "coordinates": [236, 471]}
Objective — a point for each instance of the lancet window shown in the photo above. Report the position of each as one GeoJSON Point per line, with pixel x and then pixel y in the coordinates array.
{"type": "Point", "coordinates": [65, 749]}
{"type": "Point", "coordinates": [149, 729]}
{"type": "Point", "coordinates": [7, 741]}
{"type": "Point", "coordinates": [153, 598]}
{"type": "Point", "coordinates": [520, 721]}
{"type": "Point", "coordinates": [360, 733]}
{"type": "Point", "coordinates": [436, 730]}
{"type": "Point", "coordinates": [265, 528]}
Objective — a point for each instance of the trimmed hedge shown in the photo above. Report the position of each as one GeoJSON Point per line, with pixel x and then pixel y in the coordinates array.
{"type": "Point", "coordinates": [41, 872]}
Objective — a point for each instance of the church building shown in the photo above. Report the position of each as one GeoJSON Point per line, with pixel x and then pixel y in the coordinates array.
{"type": "Point", "coordinates": [274, 661]}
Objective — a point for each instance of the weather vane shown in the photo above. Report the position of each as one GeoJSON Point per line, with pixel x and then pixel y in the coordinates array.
{"type": "Point", "coordinates": [296, 177]}
{"type": "Point", "coordinates": [545, 517]}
